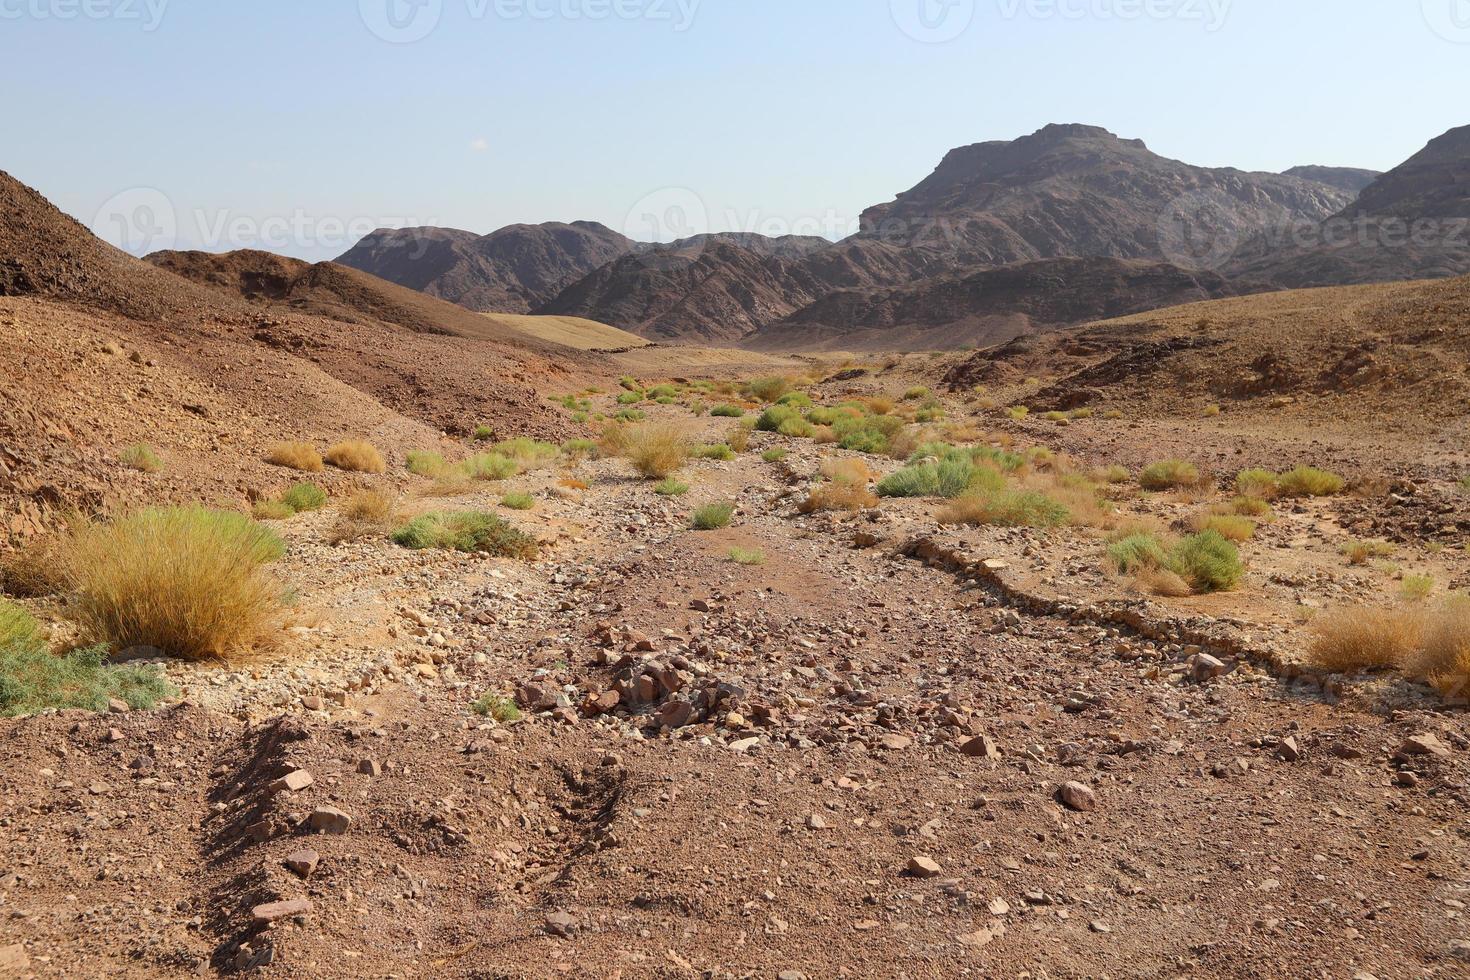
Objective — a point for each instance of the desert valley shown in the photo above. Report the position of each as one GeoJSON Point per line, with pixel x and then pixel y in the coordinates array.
{"type": "Point", "coordinates": [1063, 576]}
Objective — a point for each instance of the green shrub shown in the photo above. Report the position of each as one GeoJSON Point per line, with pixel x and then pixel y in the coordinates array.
{"type": "Point", "coordinates": [864, 441]}
{"type": "Point", "coordinates": [747, 556]}
{"type": "Point", "coordinates": [630, 398]}
{"type": "Point", "coordinates": [631, 415]}
{"type": "Point", "coordinates": [1304, 481]}
{"type": "Point", "coordinates": [17, 625]}
{"type": "Point", "coordinates": [1018, 412]}
{"type": "Point", "coordinates": [728, 411]}
{"type": "Point", "coordinates": [769, 389]}
{"type": "Point", "coordinates": [1417, 587]}
{"type": "Point", "coordinates": [948, 478]}
{"type": "Point", "coordinates": [140, 457]}
{"type": "Point", "coordinates": [914, 394]}
{"type": "Point", "coordinates": [823, 416]}
{"type": "Point", "coordinates": [579, 448]}
{"type": "Point", "coordinates": [772, 418]}
{"type": "Point", "coordinates": [32, 679]}
{"type": "Point", "coordinates": [1168, 474]}
{"type": "Point", "coordinates": [466, 531]}
{"type": "Point", "coordinates": [518, 501]}
{"type": "Point", "coordinates": [671, 488]}
{"type": "Point", "coordinates": [1137, 551]}
{"type": "Point", "coordinates": [304, 497]}
{"type": "Point", "coordinates": [662, 391]}
{"type": "Point", "coordinates": [797, 428]}
{"type": "Point", "coordinates": [630, 383]}
{"type": "Point", "coordinates": [484, 433]}
{"type": "Point", "coordinates": [1261, 484]}
{"type": "Point", "coordinates": [502, 709]}
{"type": "Point", "coordinates": [713, 516]}
{"type": "Point", "coordinates": [489, 466]}
{"type": "Point", "coordinates": [526, 452]}
{"type": "Point", "coordinates": [1208, 562]}
{"type": "Point", "coordinates": [421, 462]}
{"type": "Point", "coordinates": [1008, 508]}
{"type": "Point", "coordinates": [718, 451]}
{"type": "Point", "coordinates": [774, 455]}
{"type": "Point", "coordinates": [796, 399]}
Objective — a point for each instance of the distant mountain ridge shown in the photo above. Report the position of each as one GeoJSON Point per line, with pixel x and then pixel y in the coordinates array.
{"type": "Point", "coordinates": [1064, 192]}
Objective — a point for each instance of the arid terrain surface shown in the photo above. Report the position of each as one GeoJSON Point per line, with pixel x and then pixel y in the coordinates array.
{"type": "Point", "coordinates": [807, 708]}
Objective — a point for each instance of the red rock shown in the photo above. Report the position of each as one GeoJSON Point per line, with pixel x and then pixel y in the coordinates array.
{"type": "Point", "coordinates": [272, 911]}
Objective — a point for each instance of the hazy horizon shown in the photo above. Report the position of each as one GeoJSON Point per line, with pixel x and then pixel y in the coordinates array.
{"type": "Point", "coordinates": [297, 129]}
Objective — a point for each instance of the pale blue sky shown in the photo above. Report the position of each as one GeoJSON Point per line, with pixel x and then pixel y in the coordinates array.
{"type": "Point", "coordinates": [292, 125]}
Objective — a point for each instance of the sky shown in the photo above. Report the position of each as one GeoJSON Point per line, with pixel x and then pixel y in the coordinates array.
{"type": "Point", "coordinates": [299, 125]}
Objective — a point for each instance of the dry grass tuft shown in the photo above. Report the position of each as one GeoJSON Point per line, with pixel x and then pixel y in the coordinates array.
{"type": "Point", "coordinates": [140, 457]}
{"type": "Point", "coordinates": [1444, 660]}
{"type": "Point", "coordinates": [366, 514]}
{"type": "Point", "coordinates": [296, 456]}
{"type": "Point", "coordinates": [35, 571]}
{"type": "Point", "coordinates": [656, 449]}
{"type": "Point", "coordinates": [1363, 637]}
{"type": "Point", "coordinates": [839, 496]}
{"type": "Point", "coordinates": [356, 456]}
{"type": "Point", "coordinates": [190, 581]}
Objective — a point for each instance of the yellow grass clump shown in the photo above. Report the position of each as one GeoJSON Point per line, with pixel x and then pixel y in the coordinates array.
{"type": "Point", "coordinates": [357, 456]}
{"type": "Point", "coordinates": [296, 456]}
{"type": "Point", "coordinates": [656, 449]}
{"type": "Point", "coordinates": [190, 581]}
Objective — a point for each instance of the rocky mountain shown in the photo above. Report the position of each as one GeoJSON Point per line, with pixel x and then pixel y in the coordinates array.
{"type": "Point", "coordinates": [510, 270]}
{"type": "Point", "coordinates": [1412, 222]}
{"type": "Point", "coordinates": [987, 307]}
{"type": "Point", "coordinates": [711, 293]}
{"type": "Point", "coordinates": [1072, 190]}
{"type": "Point", "coordinates": [1349, 179]}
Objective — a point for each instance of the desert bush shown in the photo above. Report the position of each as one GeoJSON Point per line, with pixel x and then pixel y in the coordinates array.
{"type": "Point", "coordinates": [822, 416]}
{"type": "Point", "coordinates": [630, 383]}
{"type": "Point", "coordinates": [1169, 474]}
{"type": "Point", "coordinates": [727, 411]}
{"type": "Point", "coordinates": [356, 456]}
{"type": "Point", "coordinates": [422, 462]}
{"type": "Point", "coordinates": [631, 415]}
{"type": "Point", "coordinates": [663, 391]}
{"type": "Point", "coordinates": [1261, 484]}
{"type": "Point", "coordinates": [1113, 474]}
{"type": "Point", "coordinates": [711, 517]}
{"type": "Point", "coordinates": [774, 417]}
{"type": "Point", "coordinates": [847, 471]}
{"type": "Point", "coordinates": [1249, 507]}
{"type": "Point", "coordinates": [296, 456]}
{"type": "Point", "coordinates": [466, 530]}
{"type": "Point", "coordinates": [496, 706]}
{"type": "Point", "coordinates": [747, 556]}
{"type": "Point", "coordinates": [769, 389]}
{"type": "Point", "coordinates": [843, 496]}
{"type": "Point", "coordinates": [579, 448]}
{"type": "Point", "coordinates": [948, 478]}
{"type": "Point", "coordinates": [1208, 562]}
{"type": "Point", "coordinates": [484, 433]}
{"type": "Point", "coordinates": [1363, 637]}
{"type": "Point", "coordinates": [518, 500]}
{"type": "Point", "coordinates": [916, 393]}
{"type": "Point", "coordinates": [795, 399]}
{"type": "Point", "coordinates": [526, 453]}
{"type": "Point", "coordinates": [1211, 411]}
{"type": "Point", "coordinates": [774, 455]}
{"type": "Point", "coordinates": [367, 513]}
{"type": "Point", "coordinates": [17, 625]}
{"type": "Point", "coordinates": [1464, 484]}
{"type": "Point", "coordinates": [797, 428]}
{"type": "Point", "coordinates": [33, 571]}
{"type": "Point", "coordinates": [739, 437]}
{"type": "Point", "coordinates": [489, 466]}
{"type": "Point", "coordinates": [1305, 481]}
{"type": "Point", "coordinates": [304, 497]}
{"type": "Point", "coordinates": [1417, 587]}
{"type": "Point", "coordinates": [630, 398]}
{"type": "Point", "coordinates": [190, 581]}
{"type": "Point", "coordinates": [1230, 526]}
{"type": "Point", "coordinates": [656, 450]}
{"type": "Point", "coordinates": [272, 510]}
{"type": "Point", "coordinates": [140, 457]}
{"type": "Point", "coordinates": [32, 679]}
{"type": "Point", "coordinates": [1056, 417]}
{"type": "Point", "coordinates": [1444, 659]}
{"type": "Point", "coordinates": [1137, 551]}
{"type": "Point", "coordinates": [719, 451]}
{"type": "Point", "coordinates": [1007, 508]}
{"type": "Point", "coordinates": [671, 488]}
{"type": "Point", "coordinates": [1080, 413]}
{"type": "Point", "coordinates": [1361, 552]}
